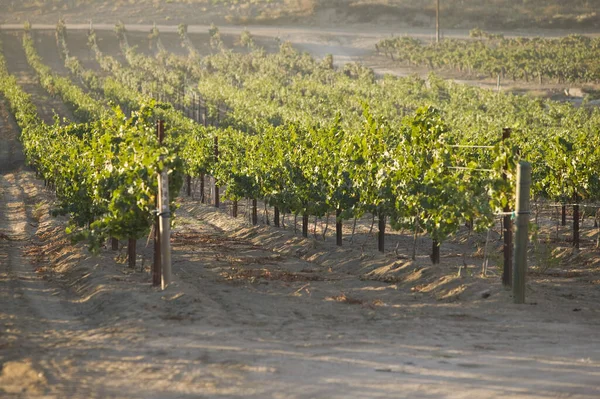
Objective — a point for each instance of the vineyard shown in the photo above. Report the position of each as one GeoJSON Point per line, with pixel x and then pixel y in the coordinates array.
{"type": "Point", "coordinates": [306, 139]}
{"type": "Point", "coordinates": [280, 166]}
{"type": "Point", "coordinates": [571, 59]}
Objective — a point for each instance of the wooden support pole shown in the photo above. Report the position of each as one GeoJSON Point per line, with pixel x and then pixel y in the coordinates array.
{"type": "Point", "coordinates": [131, 252]}
{"type": "Point", "coordinates": [234, 209]}
{"type": "Point", "coordinates": [381, 233]}
{"type": "Point", "coordinates": [254, 212]}
{"type": "Point", "coordinates": [338, 227]}
{"type": "Point", "coordinates": [276, 217]}
{"type": "Point", "coordinates": [508, 238]}
{"type": "Point", "coordinates": [564, 215]}
{"type": "Point", "coordinates": [304, 225]}
{"type": "Point", "coordinates": [194, 109]}
{"type": "Point", "coordinates": [189, 185]}
{"type": "Point", "coordinates": [576, 239]}
{"type": "Point", "coordinates": [435, 252]}
{"type": "Point", "coordinates": [198, 110]}
{"type": "Point", "coordinates": [164, 218]}
{"type": "Point", "coordinates": [165, 228]}
{"type": "Point", "coordinates": [217, 197]}
{"type": "Point", "coordinates": [266, 215]}
{"type": "Point", "coordinates": [157, 264]}
{"type": "Point", "coordinates": [202, 199]}
{"type": "Point", "coordinates": [508, 230]}
{"type": "Point", "coordinates": [521, 234]}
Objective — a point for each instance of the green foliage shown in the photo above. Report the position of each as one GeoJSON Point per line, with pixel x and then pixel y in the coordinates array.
{"type": "Point", "coordinates": [246, 39]}
{"type": "Point", "coordinates": [215, 37]}
{"type": "Point", "coordinates": [105, 170]}
{"type": "Point", "coordinates": [312, 139]}
{"type": "Point", "coordinates": [569, 59]}
{"type": "Point", "coordinates": [85, 107]}
{"type": "Point", "coordinates": [182, 30]}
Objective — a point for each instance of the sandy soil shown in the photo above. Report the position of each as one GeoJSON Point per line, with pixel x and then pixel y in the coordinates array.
{"type": "Point", "coordinates": [259, 312]}
{"type": "Point", "coordinates": [398, 13]}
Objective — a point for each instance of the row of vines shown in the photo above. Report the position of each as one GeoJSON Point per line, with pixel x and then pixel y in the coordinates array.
{"type": "Point", "coordinates": [563, 60]}
{"type": "Point", "coordinates": [310, 139]}
{"type": "Point", "coordinates": [103, 168]}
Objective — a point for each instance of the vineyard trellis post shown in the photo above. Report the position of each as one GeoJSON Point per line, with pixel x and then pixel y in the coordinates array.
{"type": "Point", "coordinates": [338, 227]}
{"type": "Point", "coordinates": [435, 252]}
{"type": "Point", "coordinates": [276, 221]}
{"type": "Point", "coordinates": [576, 221]}
{"type": "Point", "coordinates": [131, 252]}
{"type": "Point", "coordinates": [507, 227]}
{"type": "Point", "coordinates": [305, 224]}
{"type": "Point", "coordinates": [156, 266]}
{"type": "Point", "coordinates": [521, 234]}
{"type": "Point", "coordinates": [202, 199]}
{"type": "Point", "coordinates": [254, 212]}
{"type": "Point", "coordinates": [234, 208]}
{"type": "Point", "coordinates": [216, 149]}
{"type": "Point", "coordinates": [164, 218]}
{"type": "Point", "coordinates": [381, 234]}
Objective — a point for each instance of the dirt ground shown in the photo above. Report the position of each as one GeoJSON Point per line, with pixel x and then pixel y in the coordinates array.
{"type": "Point", "coordinates": [259, 312]}
{"type": "Point", "coordinates": [499, 14]}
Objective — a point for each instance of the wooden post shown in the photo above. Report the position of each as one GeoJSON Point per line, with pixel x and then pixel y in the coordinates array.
{"type": "Point", "coordinates": [564, 215]}
{"type": "Point", "coordinates": [437, 21]}
{"type": "Point", "coordinates": [521, 234]}
{"type": "Point", "coordinates": [157, 264]}
{"type": "Point", "coordinates": [276, 217]}
{"type": "Point", "coordinates": [193, 107]}
{"type": "Point", "coordinates": [114, 244]}
{"type": "Point", "coordinates": [217, 198]}
{"type": "Point", "coordinates": [381, 234]}
{"type": "Point", "coordinates": [507, 233]}
{"type": "Point", "coordinates": [131, 253]}
{"type": "Point", "coordinates": [435, 252]}
{"type": "Point", "coordinates": [254, 212]}
{"type": "Point", "coordinates": [197, 110]}
{"type": "Point", "coordinates": [266, 215]}
{"type": "Point", "coordinates": [202, 188]}
{"type": "Point", "coordinates": [164, 228]}
{"type": "Point", "coordinates": [338, 227]}
{"type": "Point", "coordinates": [164, 219]}
{"type": "Point", "coordinates": [304, 225]}
{"type": "Point", "coordinates": [189, 185]}
{"type": "Point", "coordinates": [576, 221]}
{"type": "Point", "coordinates": [234, 209]}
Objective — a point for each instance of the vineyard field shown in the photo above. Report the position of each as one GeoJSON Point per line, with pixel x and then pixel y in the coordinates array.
{"type": "Point", "coordinates": [336, 233]}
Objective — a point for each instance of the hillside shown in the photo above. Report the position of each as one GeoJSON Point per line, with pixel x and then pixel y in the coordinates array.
{"type": "Point", "coordinates": [498, 14]}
